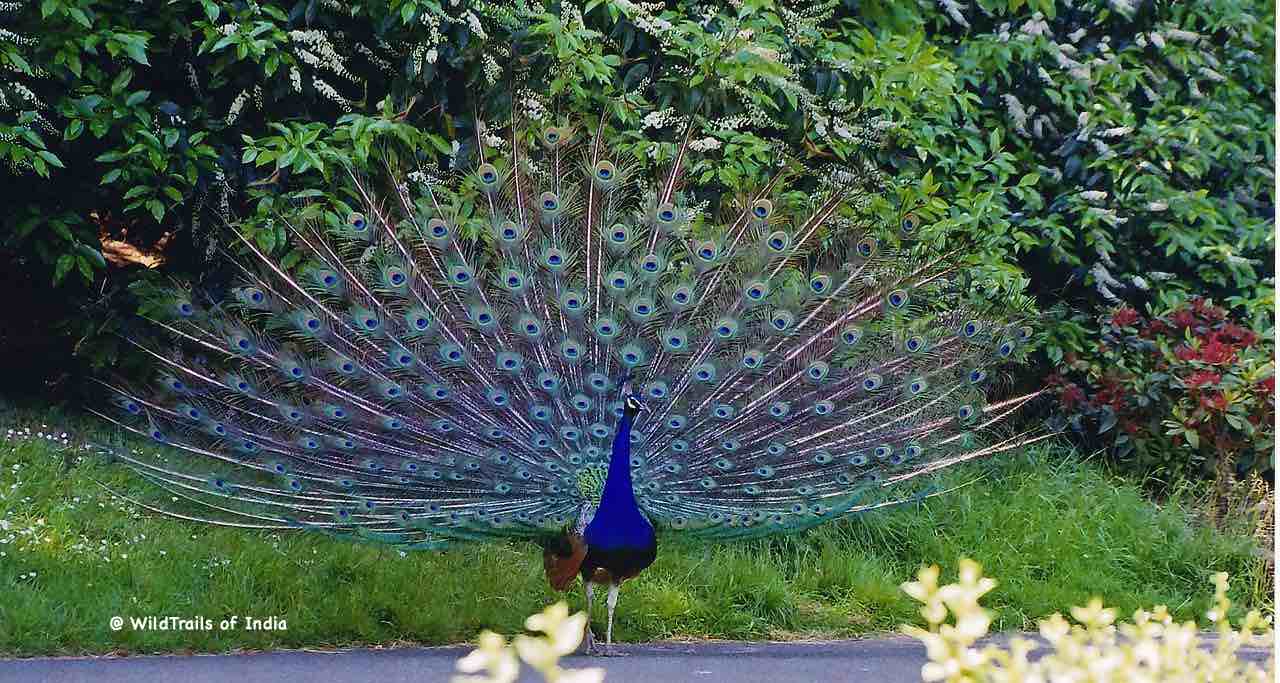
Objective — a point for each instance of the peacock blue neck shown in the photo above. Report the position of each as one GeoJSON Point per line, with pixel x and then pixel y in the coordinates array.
{"type": "Point", "coordinates": [618, 522]}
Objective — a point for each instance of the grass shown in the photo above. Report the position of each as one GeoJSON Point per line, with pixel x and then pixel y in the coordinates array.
{"type": "Point", "coordinates": [1053, 530]}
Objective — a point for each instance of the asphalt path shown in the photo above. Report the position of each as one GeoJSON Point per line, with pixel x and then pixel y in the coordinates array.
{"type": "Point", "coordinates": [882, 660]}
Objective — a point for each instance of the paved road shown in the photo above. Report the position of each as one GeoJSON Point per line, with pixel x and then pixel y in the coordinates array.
{"type": "Point", "coordinates": [886, 660]}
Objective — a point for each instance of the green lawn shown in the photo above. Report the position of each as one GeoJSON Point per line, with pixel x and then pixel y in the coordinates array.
{"type": "Point", "coordinates": [1053, 530]}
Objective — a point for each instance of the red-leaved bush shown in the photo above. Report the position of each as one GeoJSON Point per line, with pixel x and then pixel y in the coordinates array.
{"type": "Point", "coordinates": [1175, 393]}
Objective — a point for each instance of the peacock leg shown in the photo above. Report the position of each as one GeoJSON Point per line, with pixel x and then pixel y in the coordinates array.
{"type": "Point", "coordinates": [588, 639]}
{"type": "Point", "coordinates": [611, 601]}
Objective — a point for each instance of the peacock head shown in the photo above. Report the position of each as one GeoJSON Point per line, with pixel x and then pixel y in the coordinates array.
{"type": "Point", "coordinates": [632, 405]}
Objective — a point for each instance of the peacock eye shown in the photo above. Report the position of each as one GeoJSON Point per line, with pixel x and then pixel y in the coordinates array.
{"type": "Point", "coordinates": [667, 215]}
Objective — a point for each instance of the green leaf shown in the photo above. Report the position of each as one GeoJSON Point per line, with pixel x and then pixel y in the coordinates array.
{"type": "Point", "coordinates": [137, 97]}
{"type": "Point", "coordinates": [74, 129]}
{"type": "Point", "coordinates": [79, 16]}
{"type": "Point", "coordinates": [157, 209]}
{"type": "Point", "coordinates": [137, 51]}
{"type": "Point", "coordinates": [1029, 180]}
{"type": "Point", "coordinates": [63, 265]}
{"type": "Point", "coordinates": [223, 42]}
{"type": "Point", "coordinates": [121, 81]}
{"type": "Point", "coordinates": [49, 157]}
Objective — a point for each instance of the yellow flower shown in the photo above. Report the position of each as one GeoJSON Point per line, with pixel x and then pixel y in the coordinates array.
{"type": "Point", "coordinates": [492, 656]}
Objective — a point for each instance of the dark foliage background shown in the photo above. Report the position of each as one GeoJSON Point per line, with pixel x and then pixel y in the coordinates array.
{"type": "Point", "coordinates": [1097, 153]}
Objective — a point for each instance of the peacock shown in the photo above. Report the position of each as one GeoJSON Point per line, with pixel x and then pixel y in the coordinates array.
{"type": "Point", "coordinates": [547, 337]}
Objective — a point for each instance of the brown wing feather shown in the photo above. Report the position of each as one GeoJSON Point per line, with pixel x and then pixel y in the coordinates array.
{"type": "Point", "coordinates": [563, 561]}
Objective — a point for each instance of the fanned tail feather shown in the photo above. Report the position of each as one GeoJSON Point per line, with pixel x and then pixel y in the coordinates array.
{"type": "Point", "coordinates": [442, 364]}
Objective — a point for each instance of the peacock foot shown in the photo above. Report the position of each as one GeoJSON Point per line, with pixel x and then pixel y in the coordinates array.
{"type": "Point", "coordinates": [588, 644]}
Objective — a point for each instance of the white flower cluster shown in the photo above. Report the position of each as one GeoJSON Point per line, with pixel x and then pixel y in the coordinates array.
{"type": "Point", "coordinates": [477, 28]}
{"type": "Point", "coordinates": [534, 108]}
{"type": "Point", "coordinates": [331, 93]}
{"type": "Point", "coordinates": [7, 36]}
{"type": "Point", "coordinates": [704, 144]}
{"type": "Point", "coordinates": [804, 20]}
{"type": "Point", "coordinates": [315, 49]}
{"type": "Point", "coordinates": [646, 17]}
{"type": "Point", "coordinates": [735, 122]}
{"type": "Point", "coordinates": [236, 105]}
{"type": "Point", "coordinates": [488, 137]}
{"type": "Point", "coordinates": [492, 70]}
{"type": "Point", "coordinates": [659, 118]}
{"type": "Point", "coordinates": [383, 65]}
{"type": "Point", "coordinates": [955, 10]}
{"type": "Point", "coordinates": [1035, 26]}
{"type": "Point", "coordinates": [1017, 113]}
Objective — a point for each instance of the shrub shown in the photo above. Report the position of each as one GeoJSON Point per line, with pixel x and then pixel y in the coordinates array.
{"type": "Point", "coordinates": [1153, 648]}
{"type": "Point", "coordinates": [1179, 394]}
{"type": "Point", "coordinates": [159, 122]}
{"type": "Point", "coordinates": [1114, 151]}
